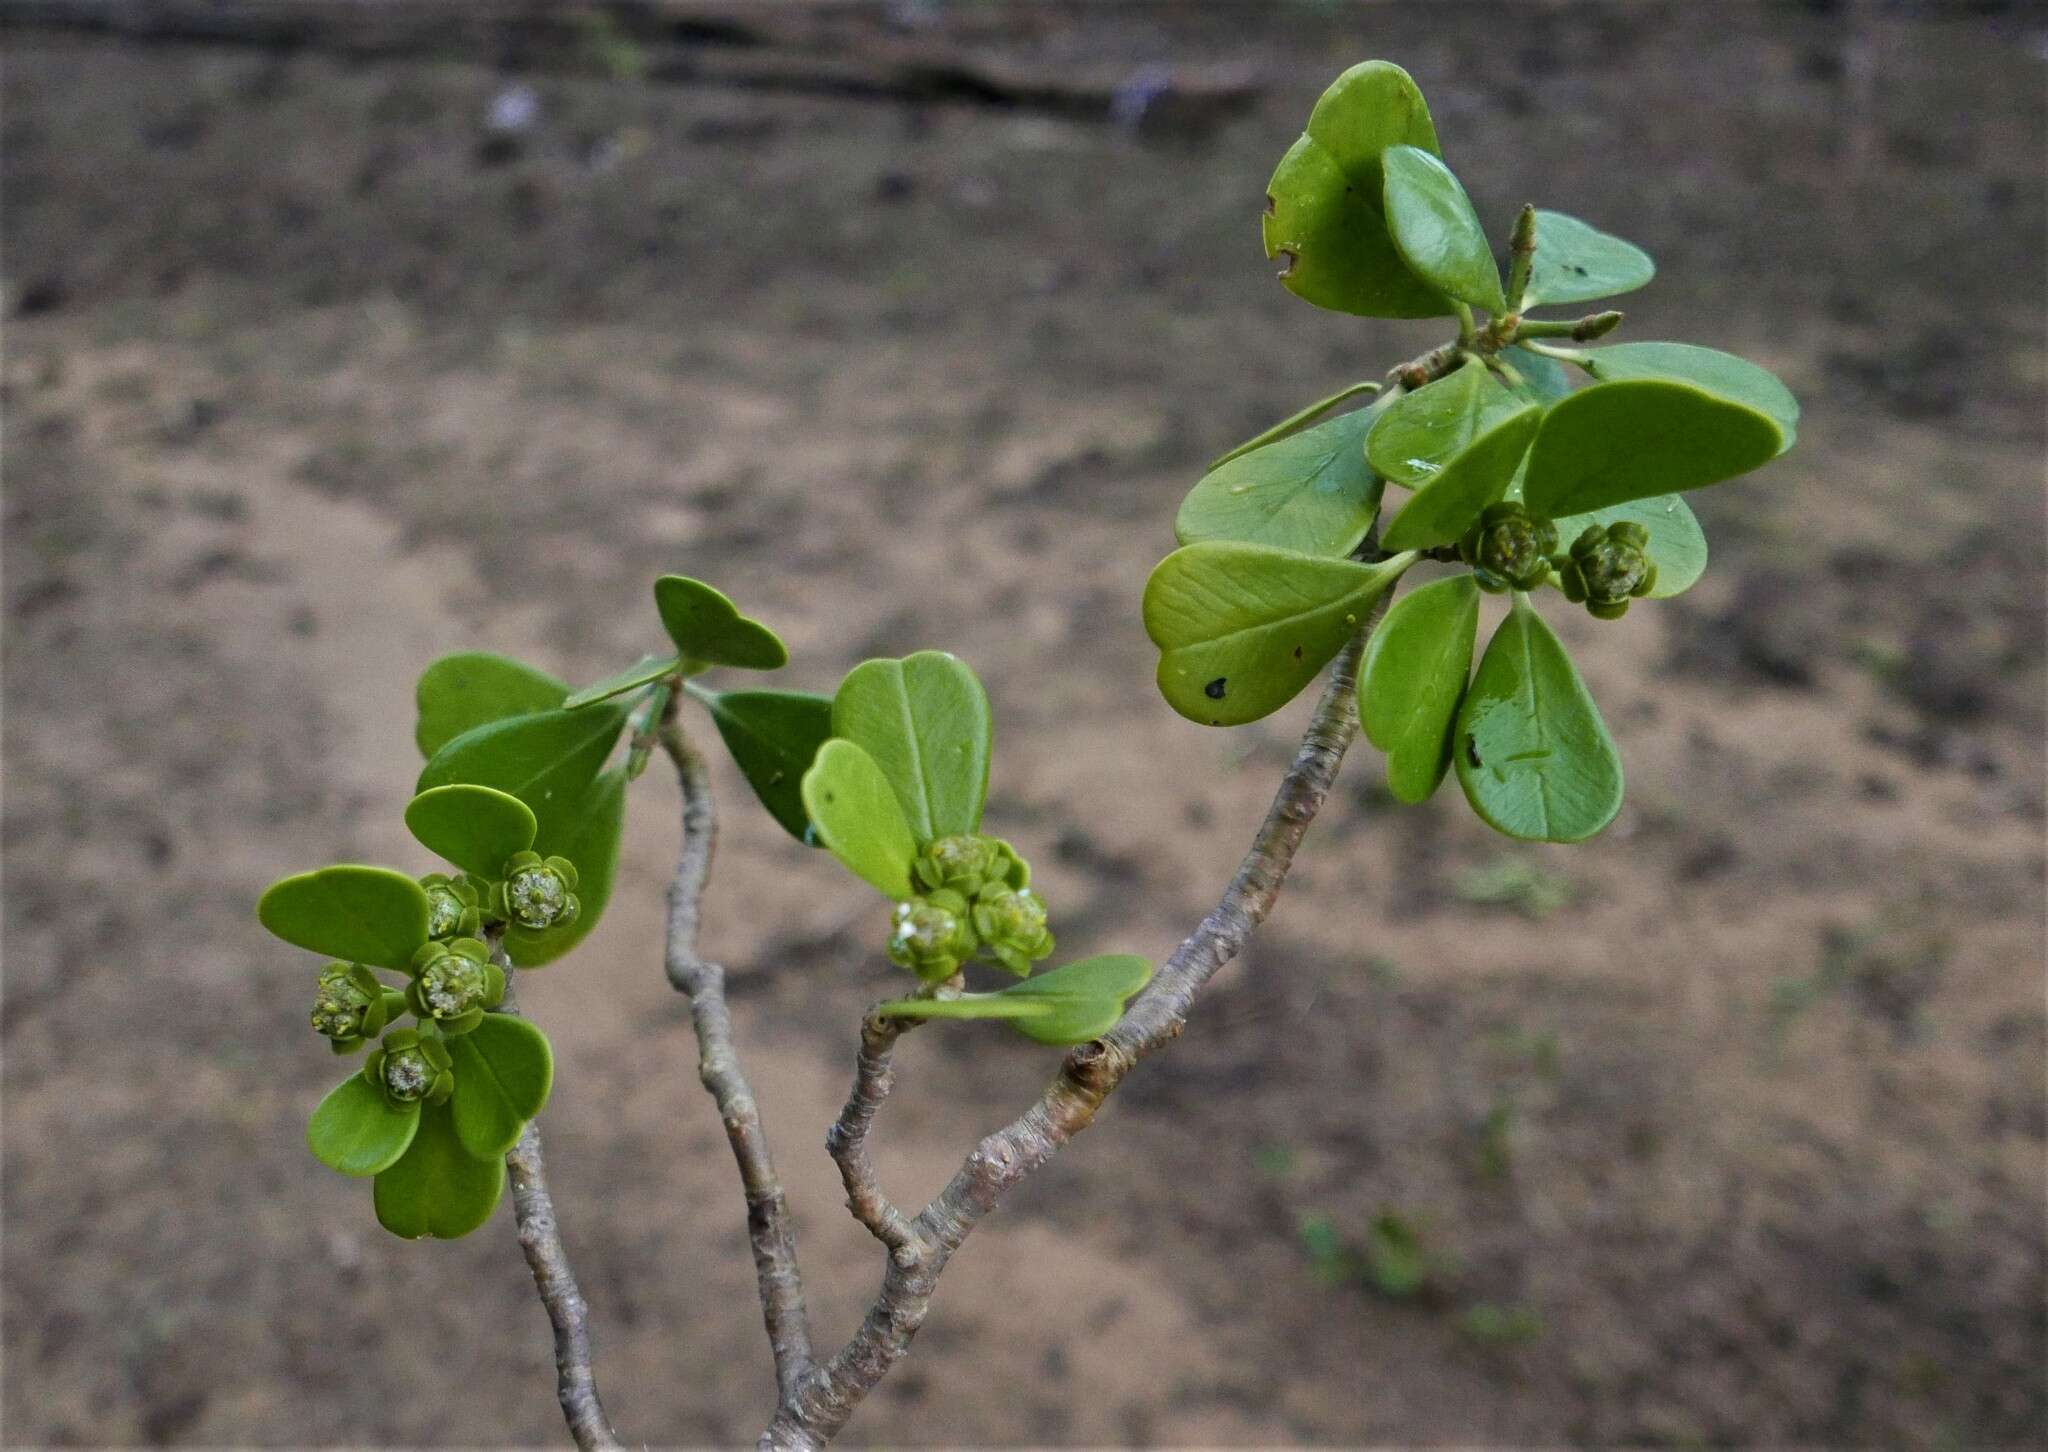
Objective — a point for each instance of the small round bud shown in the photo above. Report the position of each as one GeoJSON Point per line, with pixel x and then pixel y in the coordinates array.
{"type": "Point", "coordinates": [349, 1005]}
{"type": "Point", "coordinates": [1011, 924]}
{"type": "Point", "coordinates": [537, 894]}
{"type": "Point", "coordinates": [1508, 548]}
{"type": "Point", "coordinates": [931, 935]}
{"type": "Point", "coordinates": [409, 1067]}
{"type": "Point", "coordinates": [961, 862]}
{"type": "Point", "coordinates": [454, 907]}
{"type": "Point", "coordinates": [1610, 568]}
{"type": "Point", "coordinates": [454, 984]}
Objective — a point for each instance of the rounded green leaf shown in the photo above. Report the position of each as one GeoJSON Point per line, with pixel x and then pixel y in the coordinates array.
{"type": "Point", "coordinates": [1068, 1005]}
{"type": "Point", "coordinates": [459, 693]}
{"type": "Point", "coordinates": [1435, 229]}
{"type": "Point", "coordinates": [1242, 628]}
{"type": "Point", "coordinates": [1470, 479]}
{"type": "Point", "coordinates": [1532, 753]}
{"type": "Point", "coordinates": [1722, 374]}
{"type": "Point", "coordinates": [358, 1130]}
{"type": "Point", "coordinates": [474, 827]}
{"type": "Point", "coordinates": [438, 1188]}
{"type": "Point", "coordinates": [773, 737]}
{"type": "Point", "coordinates": [1413, 678]}
{"type": "Point", "coordinates": [858, 816]}
{"type": "Point", "coordinates": [924, 720]}
{"type": "Point", "coordinates": [589, 838]}
{"type": "Point", "coordinates": [1577, 263]}
{"type": "Point", "coordinates": [1312, 492]}
{"type": "Point", "coordinates": [1418, 433]}
{"type": "Point", "coordinates": [646, 671]}
{"type": "Point", "coordinates": [707, 627]}
{"type": "Point", "coordinates": [1323, 206]}
{"type": "Point", "coordinates": [1678, 546]}
{"type": "Point", "coordinates": [361, 914]}
{"type": "Point", "coordinates": [547, 760]}
{"type": "Point", "coordinates": [503, 1072]}
{"type": "Point", "coordinates": [1631, 439]}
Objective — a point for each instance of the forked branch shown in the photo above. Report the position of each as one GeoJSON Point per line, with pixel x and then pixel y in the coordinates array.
{"type": "Point", "coordinates": [1087, 1077]}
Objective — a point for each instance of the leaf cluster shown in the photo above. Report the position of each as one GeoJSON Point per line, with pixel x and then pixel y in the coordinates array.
{"type": "Point", "coordinates": [1514, 475]}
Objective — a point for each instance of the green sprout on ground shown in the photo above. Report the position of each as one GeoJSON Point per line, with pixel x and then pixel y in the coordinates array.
{"type": "Point", "coordinates": [1514, 459]}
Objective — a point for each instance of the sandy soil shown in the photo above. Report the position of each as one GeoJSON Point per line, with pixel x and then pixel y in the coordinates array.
{"type": "Point", "coordinates": [1734, 1118]}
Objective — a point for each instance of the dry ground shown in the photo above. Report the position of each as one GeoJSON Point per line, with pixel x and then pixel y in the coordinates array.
{"type": "Point", "coordinates": [1735, 1116]}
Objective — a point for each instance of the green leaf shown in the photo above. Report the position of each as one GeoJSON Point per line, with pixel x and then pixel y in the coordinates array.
{"type": "Point", "coordinates": [773, 737]}
{"type": "Point", "coordinates": [1413, 678]}
{"type": "Point", "coordinates": [1242, 628]}
{"type": "Point", "coordinates": [547, 760]}
{"type": "Point", "coordinates": [1420, 432]}
{"type": "Point", "coordinates": [1311, 492]}
{"type": "Point", "coordinates": [589, 839]}
{"type": "Point", "coordinates": [924, 720]}
{"type": "Point", "coordinates": [474, 827]}
{"type": "Point", "coordinates": [858, 816]}
{"type": "Point", "coordinates": [438, 1188]}
{"type": "Point", "coordinates": [1544, 380]}
{"type": "Point", "coordinates": [1577, 263]}
{"type": "Point", "coordinates": [1722, 374]}
{"type": "Point", "coordinates": [1470, 479]}
{"type": "Point", "coordinates": [1435, 229]}
{"type": "Point", "coordinates": [358, 1130]}
{"type": "Point", "coordinates": [1678, 546]}
{"type": "Point", "coordinates": [459, 693]}
{"type": "Point", "coordinates": [1323, 205]}
{"type": "Point", "coordinates": [648, 670]}
{"type": "Point", "coordinates": [1532, 753]}
{"type": "Point", "coordinates": [707, 627]}
{"type": "Point", "coordinates": [1613, 442]}
{"type": "Point", "coordinates": [1296, 421]}
{"type": "Point", "coordinates": [1068, 1005]}
{"type": "Point", "coordinates": [362, 914]}
{"type": "Point", "coordinates": [503, 1071]}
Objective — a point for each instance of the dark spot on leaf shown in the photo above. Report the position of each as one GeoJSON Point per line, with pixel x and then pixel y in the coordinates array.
{"type": "Point", "coordinates": [1472, 750]}
{"type": "Point", "coordinates": [1214, 690]}
{"type": "Point", "coordinates": [1578, 269]}
{"type": "Point", "coordinates": [1297, 652]}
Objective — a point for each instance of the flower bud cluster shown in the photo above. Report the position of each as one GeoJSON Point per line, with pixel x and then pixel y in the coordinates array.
{"type": "Point", "coordinates": [1607, 568]}
{"type": "Point", "coordinates": [454, 906]}
{"type": "Point", "coordinates": [454, 985]}
{"type": "Point", "coordinates": [975, 898]}
{"type": "Point", "coordinates": [350, 1005]}
{"type": "Point", "coordinates": [410, 1066]}
{"type": "Point", "coordinates": [537, 893]}
{"type": "Point", "coordinates": [1508, 549]}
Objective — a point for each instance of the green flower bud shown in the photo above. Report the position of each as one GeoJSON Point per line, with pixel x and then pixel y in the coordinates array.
{"type": "Point", "coordinates": [1607, 568]}
{"type": "Point", "coordinates": [1508, 549]}
{"type": "Point", "coordinates": [1011, 924]}
{"type": "Point", "coordinates": [454, 906]}
{"type": "Point", "coordinates": [350, 1005]}
{"type": "Point", "coordinates": [455, 984]}
{"type": "Point", "coordinates": [537, 894]}
{"type": "Point", "coordinates": [410, 1066]}
{"type": "Point", "coordinates": [965, 863]}
{"type": "Point", "coordinates": [931, 935]}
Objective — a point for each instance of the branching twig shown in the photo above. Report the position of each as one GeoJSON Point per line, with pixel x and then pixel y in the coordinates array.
{"type": "Point", "coordinates": [829, 1396]}
{"type": "Point", "coordinates": [770, 1232]}
{"type": "Point", "coordinates": [847, 1140]}
{"type": "Point", "coordinates": [540, 1238]}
